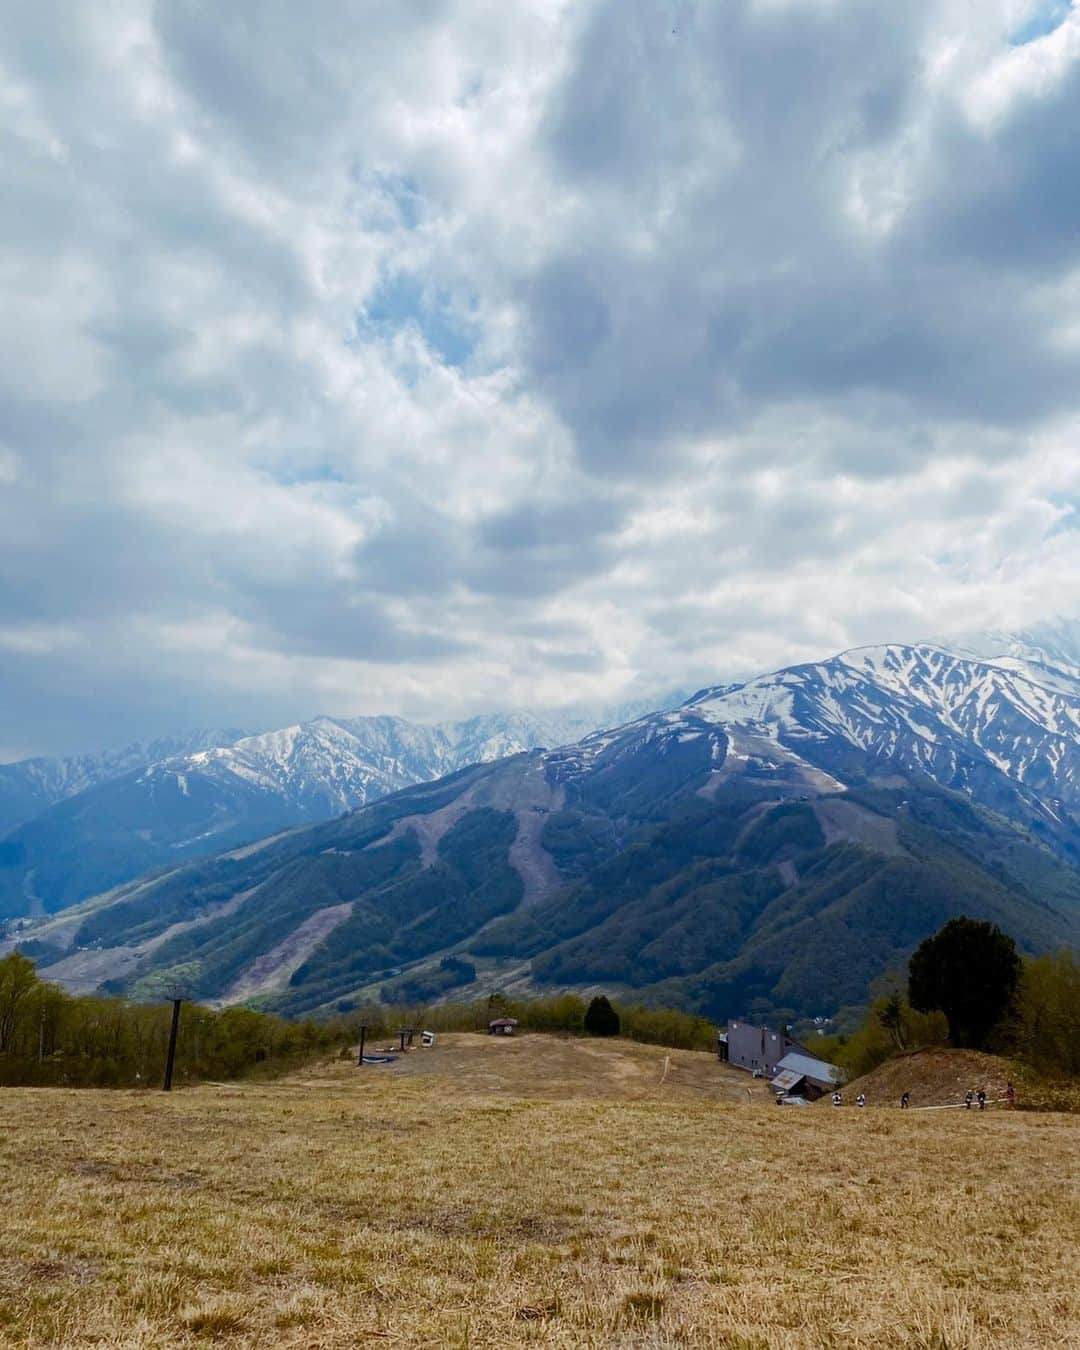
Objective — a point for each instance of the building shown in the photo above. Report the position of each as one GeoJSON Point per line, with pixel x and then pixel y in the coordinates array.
{"type": "Point", "coordinates": [800, 1074]}
{"type": "Point", "coordinates": [757, 1049]}
{"type": "Point", "coordinates": [502, 1026]}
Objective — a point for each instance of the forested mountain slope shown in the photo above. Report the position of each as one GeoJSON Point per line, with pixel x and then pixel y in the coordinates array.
{"type": "Point", "coordinates": [771, 846]}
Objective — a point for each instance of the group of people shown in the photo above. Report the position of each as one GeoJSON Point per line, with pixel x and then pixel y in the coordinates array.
{"type": "Point", "coordinates": [971, 1097]}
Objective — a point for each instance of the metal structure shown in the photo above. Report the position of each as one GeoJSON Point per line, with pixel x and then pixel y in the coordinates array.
{"type": "Point", "coordinates": [170, 1057]}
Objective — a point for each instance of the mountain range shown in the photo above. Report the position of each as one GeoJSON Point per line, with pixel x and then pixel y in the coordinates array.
{"type": "Point", "coordinates": [30, 786]}
{"type": "Point", "coordinates": [72, 827]}
{"type": "Point", "coordinates": [768, 847]}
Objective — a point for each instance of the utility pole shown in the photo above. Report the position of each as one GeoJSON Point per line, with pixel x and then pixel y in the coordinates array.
{"type": "Point", "coordinates": [363, 1037]}
{"type": "Point", "coordinates": [171, 1055]}
{"type": "Point", "coordinates": [41, 1037]}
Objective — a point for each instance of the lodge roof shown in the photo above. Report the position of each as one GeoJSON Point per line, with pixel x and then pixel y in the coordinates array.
{"type": "Point", "coordinates": [806, 1066]}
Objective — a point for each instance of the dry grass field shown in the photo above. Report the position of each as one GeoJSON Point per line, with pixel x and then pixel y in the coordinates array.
{"type": "Point", "coordinates": [534, 1192]}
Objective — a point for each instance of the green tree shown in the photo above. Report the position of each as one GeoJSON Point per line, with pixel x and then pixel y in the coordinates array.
{"type": "Point", "coordinates": [18, 980]}
{"type": "Point", "coordinates": [1045, 1030]}
{"type": "Point", "coordinates": [971, 971]}
{"type": "Point", "coordinates": [890, 1015]}
{"type": "Point", "coordinates": [601, 1019]}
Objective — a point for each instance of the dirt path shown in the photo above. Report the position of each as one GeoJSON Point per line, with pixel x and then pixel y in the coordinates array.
{"type": "Point", "coordinates": [849, 821]}
{"type": "Point", "coordinates": [37, 905]}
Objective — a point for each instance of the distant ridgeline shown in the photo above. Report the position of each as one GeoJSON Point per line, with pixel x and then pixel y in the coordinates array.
{"type": "Point", "coordinates": [767, 850]}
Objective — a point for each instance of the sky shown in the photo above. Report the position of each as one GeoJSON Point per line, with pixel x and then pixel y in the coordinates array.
{"type": "Point", "coordinates": [441, 356]}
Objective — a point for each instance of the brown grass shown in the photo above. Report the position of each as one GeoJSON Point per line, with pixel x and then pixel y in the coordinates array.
{"type": "Point", "coordinates": [487, 1194]}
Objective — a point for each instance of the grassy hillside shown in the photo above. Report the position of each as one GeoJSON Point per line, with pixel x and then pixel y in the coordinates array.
{"type": "Point", "coordinates": [940, 1077]}
{"type": "Point", "coordinates": [536, 1192]}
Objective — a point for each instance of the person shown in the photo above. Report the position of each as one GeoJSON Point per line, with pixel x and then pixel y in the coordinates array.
{"type": "Point", "coordinates": [837, 1100]}
{"type": "Point", "coordinates": [1010, 1095]}
{"type": "Point", "coordinates": [982, 1099]}
{"type": "Point", "coordinates": [905, 1100]}
{"type": "Point", "coordinates": [860, 1100]}
{"type": "Point", "coordinates": [969, 1097]}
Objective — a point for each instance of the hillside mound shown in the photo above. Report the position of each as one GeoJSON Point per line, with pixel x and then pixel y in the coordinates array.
{"type": "Point", "coordinates": [934, 1077]}
{"type": "Point", "coordinates": [580, 1067]}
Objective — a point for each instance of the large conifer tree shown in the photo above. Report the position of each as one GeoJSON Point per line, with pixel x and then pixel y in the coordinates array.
{"type": "Point", "coordinates": [970, 970]}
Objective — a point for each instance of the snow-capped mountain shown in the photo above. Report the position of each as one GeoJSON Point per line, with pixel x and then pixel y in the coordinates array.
{"type": "Point", "coordinates": [1005, 729]}
{"type": "Point", "coordinates": [775, 844]}
{"type": "Point", "coordinates": [331, 764]}
{"type": "Point", "coordinates": [135, 813]}
{"type": "Point", "coordinates": [1051, 651]}
{"type": "Point", "coordinates": [995, 716]}
{"type": "Point", "coordinates": [30, 785]}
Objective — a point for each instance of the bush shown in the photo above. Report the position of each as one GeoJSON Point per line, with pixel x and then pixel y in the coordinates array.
{"type": "Point", "coordinates": [1044, 1030]}
{"type": "Point", "coordinates": [891, 1027]}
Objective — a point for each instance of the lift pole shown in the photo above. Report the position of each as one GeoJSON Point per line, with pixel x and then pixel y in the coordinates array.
{"type": "Point", "coordinates": [171, 1055]}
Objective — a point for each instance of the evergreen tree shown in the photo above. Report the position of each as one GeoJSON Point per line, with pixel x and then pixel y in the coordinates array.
{"type": "Point", "coordinates": [601, 1019]}
{"type": "Point", "coordinates": [971, 971]}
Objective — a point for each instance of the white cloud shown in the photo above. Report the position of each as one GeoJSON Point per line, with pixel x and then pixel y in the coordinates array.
{"type": "Point", "coordinates": [479, 355]}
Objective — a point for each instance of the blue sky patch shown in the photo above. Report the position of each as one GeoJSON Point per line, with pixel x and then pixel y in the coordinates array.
{"type": "Point", "coordinates": [401, 299]}
{"type": "Point", "coordinates": [1044, 20]}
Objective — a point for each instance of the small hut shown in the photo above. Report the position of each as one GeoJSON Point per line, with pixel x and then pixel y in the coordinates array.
{"type": "Point", "coordinates": [502, 1026]}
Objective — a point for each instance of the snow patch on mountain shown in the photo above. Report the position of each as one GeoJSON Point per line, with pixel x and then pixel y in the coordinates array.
{"type": "Point", "coordinates": [29, 786]}
{"type": "Point", "coordinates": [929, 709]}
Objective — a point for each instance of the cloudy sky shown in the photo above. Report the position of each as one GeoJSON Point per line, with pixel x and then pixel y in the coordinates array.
{"type": "Point", "coordinates": [432, 356]}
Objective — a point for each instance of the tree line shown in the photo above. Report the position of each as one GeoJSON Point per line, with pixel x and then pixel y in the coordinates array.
{"type": "Point", "coordinates": [564, 1014]}
{"type": "Point", "coordinates": [966, 986]}
{"type": "Point", "coordinates": [51, 1038]}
